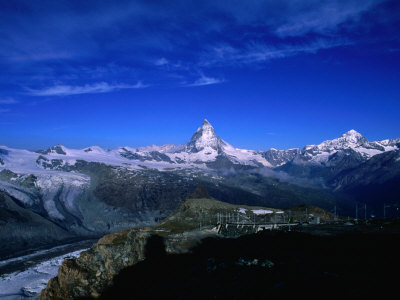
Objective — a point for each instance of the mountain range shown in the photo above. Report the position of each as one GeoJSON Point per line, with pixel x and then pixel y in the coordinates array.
{"type": "Point", "coordinates": [92, 191]}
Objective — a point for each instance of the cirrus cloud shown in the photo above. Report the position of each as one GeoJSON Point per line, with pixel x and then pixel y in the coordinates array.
{"type": "Point", "coordinates": [8, 101]}
{"type": "Point", "coordinates": [95, 88]}
{"type": "Point", "coordinates": [204, 80]}
{"type": "Point", "coordinates": [168, 41]}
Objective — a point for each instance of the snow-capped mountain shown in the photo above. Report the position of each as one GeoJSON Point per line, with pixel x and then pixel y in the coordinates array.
{"type": "Point", "coordinates": [351, 140]}
{"type": "Point", "coordinates": [328, 152]}
{"type": "Point", "coordinates": [205, 150]}
{"type": "Point", "coordinates": [55, 182]}
{"type": "Point", "coordinates": [205, 146]}
{"type": "Point", "coordinates": [279, 158]}
{"type": "Point", "coordinates": [95, 190]}
{"type": "Point", "coordinates": [328, 159]}
{"type": "Point", "coordinates": [205, 140]}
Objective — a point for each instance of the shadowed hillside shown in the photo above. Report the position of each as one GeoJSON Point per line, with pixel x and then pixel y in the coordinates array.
{"type": "Point", "coordinates": [263, 266]}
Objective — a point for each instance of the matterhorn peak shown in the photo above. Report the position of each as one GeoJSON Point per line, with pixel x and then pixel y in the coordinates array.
{"type": "Point", "coordinates": [207, 127]}
{"type": "Point", "coordinates": [206, 131]}
{"type": "Point", "coordinates": [204, 137]}
{"type": "Point", "coordinates": [205, 122]}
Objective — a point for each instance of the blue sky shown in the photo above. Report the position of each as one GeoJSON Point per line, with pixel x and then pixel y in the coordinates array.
{"type": "Point", "coordinates": [266, 74]}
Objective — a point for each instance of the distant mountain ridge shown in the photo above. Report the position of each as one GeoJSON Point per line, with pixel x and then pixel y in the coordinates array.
{"type": "Point", "coordinates": [203, 150]}
{"type": "Point", "coordinates": [93, 191]}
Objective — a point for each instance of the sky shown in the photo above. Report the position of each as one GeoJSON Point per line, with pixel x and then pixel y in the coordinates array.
{"type": "Point", "coordinates": [282, 73]}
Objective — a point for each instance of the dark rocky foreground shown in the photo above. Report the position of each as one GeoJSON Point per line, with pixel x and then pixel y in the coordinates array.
{"type": "Point", "coordinates": [150, 265]}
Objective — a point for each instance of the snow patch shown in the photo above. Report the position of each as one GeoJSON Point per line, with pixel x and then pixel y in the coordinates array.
{"type": "Point", "coordinates": [66, 187]}
{"type": "Point", "coordinates": [31, 282]}
{"type": "Point", "coordinates": [262, 211]}
{"type": "Point", "coordinates": [242, 210]}
{"type": "Point", "coordinates": [17, 192]}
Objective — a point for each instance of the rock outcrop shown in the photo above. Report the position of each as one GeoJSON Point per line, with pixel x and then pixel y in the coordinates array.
{"type": "Point", "coordinates": [267, 265]}
{"type": "Point", "coordinates": [93, 271]}
{"type": "Point", "coordinates": [90, 275]}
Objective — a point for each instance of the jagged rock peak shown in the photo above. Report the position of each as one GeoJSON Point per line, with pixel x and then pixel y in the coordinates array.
{"type": "Point", "coordinates": [352, 133]}
{"type": "Point", "coordinates": [57, 149]}
{"type": "Point", "coordinates": [205, 123]}
{"type": "Point", "coordinates": [207, 127]}
{"type": "Point", "coordinates": [204, 137]}
{"type": "Point", "coordinates": [350, 139]}
{"type": "Point", "coordinates": [353, 136]}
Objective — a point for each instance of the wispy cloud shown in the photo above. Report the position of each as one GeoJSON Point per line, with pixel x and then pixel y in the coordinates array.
{"type": "Point", "coordinates": [161, 62]}
{"type": "Point", "coordinates": [204, 80]}
{"type": "Point", "coordinates": [258, 52]}
{"type": "Point", "coordinates": [95, 88]}
{"type": "Point", "coordinates": [322, 17]}
{"type": "Point", "coordinates": [66, 42]}
{"type": "Point", "coordinates": [8, 101]}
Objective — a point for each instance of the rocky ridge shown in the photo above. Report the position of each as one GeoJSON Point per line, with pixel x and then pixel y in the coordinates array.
{"type": "Point", "coordinates": [93, 272]}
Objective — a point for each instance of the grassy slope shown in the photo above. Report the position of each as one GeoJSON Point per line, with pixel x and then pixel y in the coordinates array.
{"type": "Point", "coordinates": [193, 211]}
